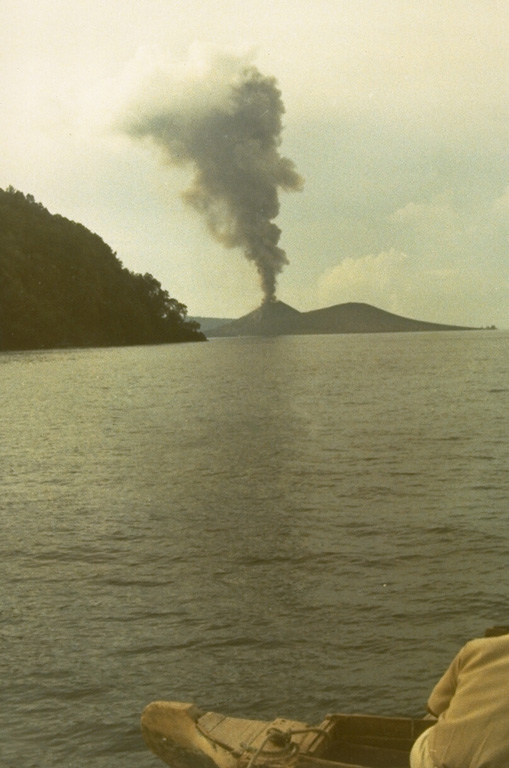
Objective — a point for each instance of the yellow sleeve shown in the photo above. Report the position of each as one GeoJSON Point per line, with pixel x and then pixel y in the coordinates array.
{"type": "Point", "coordinates": [444, 690]}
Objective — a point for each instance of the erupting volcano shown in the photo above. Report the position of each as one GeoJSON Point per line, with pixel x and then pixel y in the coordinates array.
{"type": "Point", "coordinates": [224, 119]}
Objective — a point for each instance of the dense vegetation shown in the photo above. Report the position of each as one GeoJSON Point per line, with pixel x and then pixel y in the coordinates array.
{"type": "Point", "coordinates": [62, 286]}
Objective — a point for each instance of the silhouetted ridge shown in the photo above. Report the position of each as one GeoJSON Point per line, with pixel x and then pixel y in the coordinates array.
{"type": "Point", "coordinates": [277, 318]}
{"type": "Point", "coordinates": [62, 286]}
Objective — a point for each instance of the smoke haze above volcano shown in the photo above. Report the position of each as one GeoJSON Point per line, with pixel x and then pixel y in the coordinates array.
{"type": "Point", "coordinates": [220, 115]}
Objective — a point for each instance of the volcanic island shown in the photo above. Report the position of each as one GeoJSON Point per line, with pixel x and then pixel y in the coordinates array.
{"type": "Point", "coordinates": [275, 318]}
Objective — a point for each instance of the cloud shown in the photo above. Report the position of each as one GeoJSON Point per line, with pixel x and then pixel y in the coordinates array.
{"type": "Point", "coordinates": [375, 279]}
{"type": "Point", "coordinates": [426, 214]}
{"type": "Point", "coordinates": [407, 285]}
{"type": "Point", "coordinates": [501, 207]}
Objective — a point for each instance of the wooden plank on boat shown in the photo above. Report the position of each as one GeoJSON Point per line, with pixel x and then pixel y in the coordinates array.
{"type": "Point", "coordinates": [382, 732]}
{"type": "Point", "coordinates": [307, 761]}
{"type": "Point", "coordinates": [233, 731]}
{"type": "Point", "coordinates": [210, 720]}
{"type": "Point", "coordinates": [319, 740]}
{"type": "Point", "coordinates": [357, 758]}
{"type": "Point", "coordinates": [348, 726]}
{"type": "Point", "coordinates": [374, 757]}
{"type": "Point", "coordinates": [388, 727]}
{"type": "Point", "coordinates": [497, 631]}
{"type": "Point", "coordinates": [403, 745]}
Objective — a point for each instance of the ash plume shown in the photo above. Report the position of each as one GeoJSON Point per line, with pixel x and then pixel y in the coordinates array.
{"type": "Point", "coordinates": [223, 118]}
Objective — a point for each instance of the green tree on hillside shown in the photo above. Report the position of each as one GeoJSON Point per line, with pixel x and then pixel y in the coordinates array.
{"type": "Point", "coordinates": [61, 286]}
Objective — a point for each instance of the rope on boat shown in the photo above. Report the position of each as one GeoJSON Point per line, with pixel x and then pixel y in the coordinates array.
{"type": "Point", "coordinates": [222, 744]}
{"type": "Point", "coordinates": [283, 740]}
{"type": "Point", "coordinates": [280, 738]}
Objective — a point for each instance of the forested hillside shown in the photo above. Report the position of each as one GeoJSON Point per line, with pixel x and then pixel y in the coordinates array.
{"type": "Point", "coordinates": [62, 286]}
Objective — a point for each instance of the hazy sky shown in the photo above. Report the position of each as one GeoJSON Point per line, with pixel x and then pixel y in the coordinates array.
{"type": "Point", "coordinates": [396, 115]}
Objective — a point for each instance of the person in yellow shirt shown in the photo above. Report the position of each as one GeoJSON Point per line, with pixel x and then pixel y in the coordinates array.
{"type": "Point", "coordinates": [471, 704]}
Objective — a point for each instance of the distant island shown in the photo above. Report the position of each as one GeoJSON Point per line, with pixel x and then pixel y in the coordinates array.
{"type": "Point", "coordinates": [62, 286]}
{"type": "Point", "coordinates": [276, 318]}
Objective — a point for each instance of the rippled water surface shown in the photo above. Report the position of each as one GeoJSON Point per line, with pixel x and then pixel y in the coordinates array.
{"type": "Point", "coordinates": [281, 526]}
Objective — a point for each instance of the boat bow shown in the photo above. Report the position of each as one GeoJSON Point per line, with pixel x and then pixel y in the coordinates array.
{"type": "Point", "coordinates": [185, 737]}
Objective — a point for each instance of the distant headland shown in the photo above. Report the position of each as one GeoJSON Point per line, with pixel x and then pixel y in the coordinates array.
{"type": "Point", "coordinates": [275, 318]}
{"type": "Point", "coordinates": [62, 286]}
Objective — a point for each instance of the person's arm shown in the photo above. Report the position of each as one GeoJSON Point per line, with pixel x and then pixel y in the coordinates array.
{"type": "Point", "coordinates": [444, 690]}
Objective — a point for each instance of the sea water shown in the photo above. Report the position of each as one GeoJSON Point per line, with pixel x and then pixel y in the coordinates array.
{"type": "Point", "coordinates": [267, 527]}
